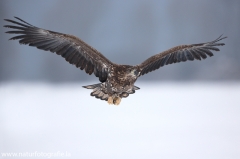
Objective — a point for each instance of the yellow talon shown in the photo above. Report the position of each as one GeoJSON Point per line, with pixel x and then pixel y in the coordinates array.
{"type": "Point", "coordinates": [117, 100]}
{"type": "Point", "coordinates": [110, 100]}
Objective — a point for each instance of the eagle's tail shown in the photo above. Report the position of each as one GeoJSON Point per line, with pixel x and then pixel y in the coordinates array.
{"type": "Point", "coordinates": [99, 91]}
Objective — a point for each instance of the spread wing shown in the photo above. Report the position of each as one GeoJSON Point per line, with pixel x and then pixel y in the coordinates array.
{"type": "Point", "coordinates": [180, 53]}
{"type": "Point", "coordinates": [73, 49]}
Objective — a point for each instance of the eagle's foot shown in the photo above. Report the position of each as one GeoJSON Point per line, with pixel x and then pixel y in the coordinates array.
{"type": "Point", "coordinates": [110, 100]}
{"type": "Point", "coordinates": [117, 100]}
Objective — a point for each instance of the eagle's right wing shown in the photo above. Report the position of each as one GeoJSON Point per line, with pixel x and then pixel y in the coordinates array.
{"type": "Point", "coordinates": [73, 49]}
{"type": "Point", "coordinates": [180, 53]}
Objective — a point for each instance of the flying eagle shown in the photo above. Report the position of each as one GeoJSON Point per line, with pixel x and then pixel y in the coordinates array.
{"type": "Point", "coordinates": [117, 81]}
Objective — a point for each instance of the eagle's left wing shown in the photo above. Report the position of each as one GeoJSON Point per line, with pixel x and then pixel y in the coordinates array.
{"type": "Point", "coordinates": [73, 49]}
{"type": "Point", "coordinates": [180, 53]}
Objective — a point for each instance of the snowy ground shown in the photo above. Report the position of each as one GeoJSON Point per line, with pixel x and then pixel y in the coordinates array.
{"type": "Point", "coordinates": [161, 121]}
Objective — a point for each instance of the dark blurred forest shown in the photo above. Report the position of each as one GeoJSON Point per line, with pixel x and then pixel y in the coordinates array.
{"type": "Point", "coordinates": [126, 32]}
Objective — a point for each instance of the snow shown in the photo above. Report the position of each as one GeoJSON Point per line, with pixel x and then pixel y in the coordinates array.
{"type": "Point", "coordinates": [161, 120]}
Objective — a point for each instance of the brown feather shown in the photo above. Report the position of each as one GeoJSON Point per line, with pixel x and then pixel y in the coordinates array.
{"type": "Point", "coordinates": [180, 53]}
{"type": "Point", "coordinates": [73, 49]}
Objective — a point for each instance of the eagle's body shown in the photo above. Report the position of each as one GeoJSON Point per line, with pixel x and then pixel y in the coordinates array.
{"type": "Point", "coordinates": [119, 84]}
{"type": "Point", "coordinates": [117, 81]}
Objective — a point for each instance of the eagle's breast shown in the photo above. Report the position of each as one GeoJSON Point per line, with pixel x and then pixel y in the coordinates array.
{"type": "Point", "coordinates": [121, 78]}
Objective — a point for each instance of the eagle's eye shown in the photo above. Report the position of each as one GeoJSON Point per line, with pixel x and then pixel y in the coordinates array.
{"type": "Point", "coordinates": [136, 73]}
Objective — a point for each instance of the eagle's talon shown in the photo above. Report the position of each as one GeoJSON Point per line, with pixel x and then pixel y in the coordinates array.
{"type": "Point", "coordinates": [110, 100]}
{"type": "Point", "coordinates": [117, 101]}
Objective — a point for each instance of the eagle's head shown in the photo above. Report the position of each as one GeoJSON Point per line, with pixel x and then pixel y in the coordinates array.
{"type": "Point", "coordinates": [133, 72]}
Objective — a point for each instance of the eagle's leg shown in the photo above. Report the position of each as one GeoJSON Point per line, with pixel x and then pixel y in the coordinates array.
{"type": "Point", "coordinates": [117, 100]}
{"type": "Point", "coordinates": [110, 100]}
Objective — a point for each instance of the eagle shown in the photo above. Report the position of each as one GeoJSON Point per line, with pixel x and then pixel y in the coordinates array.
{"type": "Point", "coordinates": [116, 81]}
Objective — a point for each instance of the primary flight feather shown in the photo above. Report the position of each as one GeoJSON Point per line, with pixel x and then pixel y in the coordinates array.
{"type": "Point", "coordinates": [117, 81]}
